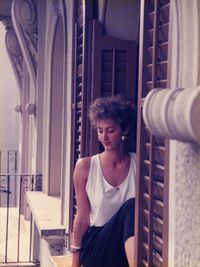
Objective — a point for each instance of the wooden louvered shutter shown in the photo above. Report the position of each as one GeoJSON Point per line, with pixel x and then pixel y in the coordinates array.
{"type": "Point", "coordinates": [114, 64]}
{"type": "Point", "coordinates": [82, 14]}
{"type": "Point", "coordinates": [113, 68]}
{"type": "Point", "coordinates": [152, 166]}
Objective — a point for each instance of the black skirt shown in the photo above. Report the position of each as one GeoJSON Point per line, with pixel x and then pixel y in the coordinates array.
{"type": "Point", "coordinates": [104, 246]}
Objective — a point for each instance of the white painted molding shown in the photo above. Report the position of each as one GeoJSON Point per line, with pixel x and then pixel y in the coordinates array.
{"type": "Point", "coordinates": [173, 113]}
{"type": "Point", "coordinates": [184, 70]}
{"type": "Point", "coordinates": [30, 108]}
{"type": "Point", "coordinates": [18, 108]}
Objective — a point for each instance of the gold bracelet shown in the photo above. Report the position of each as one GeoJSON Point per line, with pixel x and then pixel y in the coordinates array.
{"type": "Point", "coordinates": [75, 249]}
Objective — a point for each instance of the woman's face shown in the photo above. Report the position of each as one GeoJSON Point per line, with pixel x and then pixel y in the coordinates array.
{"type": "Point", "coordinates": [109, 134]}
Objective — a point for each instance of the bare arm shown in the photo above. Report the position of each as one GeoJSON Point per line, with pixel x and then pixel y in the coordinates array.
{"type": "Point", "coordinates": [81, 221]}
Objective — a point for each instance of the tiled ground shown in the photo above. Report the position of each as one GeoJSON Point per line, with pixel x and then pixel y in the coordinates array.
{"type": "Point", "coordinates": [62, 261]}
{"type": "Point", "coordinates": [13, 236]}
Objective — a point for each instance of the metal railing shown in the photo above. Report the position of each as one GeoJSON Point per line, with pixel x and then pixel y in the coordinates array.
{"type": "Point", "coordinates": [16, 220]}
{"type": "Point", "coordinates": [8, 164]}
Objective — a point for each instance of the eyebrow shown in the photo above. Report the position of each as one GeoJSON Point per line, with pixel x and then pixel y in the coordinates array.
{"type": "Point", "coordinates": [107, 127]}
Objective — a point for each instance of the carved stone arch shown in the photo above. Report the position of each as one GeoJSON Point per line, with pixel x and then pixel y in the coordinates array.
{"type": "Point", "coordinates": [24, 16]}
{"type": "Point", "coordinates": [54, 93]}
{"type": "Point", "coordinates": [15, 55]}
{"type": "Point", "coordinates": [56, 14]}
{"type": "Point", "coordinates": [185, 37]}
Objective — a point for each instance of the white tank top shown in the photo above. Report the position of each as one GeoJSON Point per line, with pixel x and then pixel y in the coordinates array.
{"type": "Point", "coordinates": [105, 199]}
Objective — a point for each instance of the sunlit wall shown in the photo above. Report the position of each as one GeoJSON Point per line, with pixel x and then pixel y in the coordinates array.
{"type": "Point", "coordinates": [9, 97]}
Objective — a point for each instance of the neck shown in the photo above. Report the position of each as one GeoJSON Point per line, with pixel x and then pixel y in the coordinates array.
{"type": "Point", "coordinates": [115, 156]}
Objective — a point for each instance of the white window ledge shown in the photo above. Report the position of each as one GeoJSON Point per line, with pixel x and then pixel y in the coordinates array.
{"type": "Point", "coordinates": [46, 211]}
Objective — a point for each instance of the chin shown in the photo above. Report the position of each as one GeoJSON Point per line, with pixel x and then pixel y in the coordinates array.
{"type": "Point", "coordinates": [110, 148]}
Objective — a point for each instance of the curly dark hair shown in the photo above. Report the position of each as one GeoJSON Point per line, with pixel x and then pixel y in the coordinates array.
{"type": "Point", "coordinates": [114, 108]}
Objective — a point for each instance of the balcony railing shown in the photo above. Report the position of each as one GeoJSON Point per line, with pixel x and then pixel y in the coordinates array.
{"type": "Point", "coordinates": [15, 217]}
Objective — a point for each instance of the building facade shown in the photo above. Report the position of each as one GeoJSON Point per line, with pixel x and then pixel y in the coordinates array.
{"type": "Point", "coordinates": [67, 53]}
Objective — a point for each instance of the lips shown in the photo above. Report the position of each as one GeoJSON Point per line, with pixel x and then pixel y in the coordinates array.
{"type": "Point", "coordinates": [107, 143]}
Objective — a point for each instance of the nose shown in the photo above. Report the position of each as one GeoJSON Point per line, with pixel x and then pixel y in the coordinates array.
{"type": "Point", "coordinates": [105, 136]}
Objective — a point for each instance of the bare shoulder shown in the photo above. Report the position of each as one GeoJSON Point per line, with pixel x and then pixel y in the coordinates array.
{"type": "Point", "coordinates": [82, 168]}
{"type": "Point", "coordinates": [83, 162]}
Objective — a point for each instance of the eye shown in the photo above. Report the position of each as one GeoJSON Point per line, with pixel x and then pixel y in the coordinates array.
{"type": "Point", "coordinates": [99, 130]}
{"type": "Point", "coordinates": [111, 131]}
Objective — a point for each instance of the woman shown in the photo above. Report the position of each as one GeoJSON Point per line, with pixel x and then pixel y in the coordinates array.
{"type": "Point", "coordinates": [105, 191]}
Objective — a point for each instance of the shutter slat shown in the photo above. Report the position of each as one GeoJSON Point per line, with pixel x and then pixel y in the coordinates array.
{"type": "Point", "coordinates": [158, 226]}
{"type": "Point", "coordinates": [145, 245]}
{"type": "Point", "coordinates": [158, 208]}
{"type": "Point", "coordinates": [79, 31]}
{"type": "Point", "coordinates": [80, 9]}
{"type": "Point", "coordinates": [163, 51]}
{"type": "Point", "coordinates": [157, 259]}
{"type": "Point", "coordinates": [146, 181]}
{"type": "Point", "coordinates": [163, 34]}
{"type": "Point", "coordinates": [146, 214]}
{"type": "Point", "coordinates": [80, 72]}
{"type": "Point", "coordinates": [160, 84]}
{"type": "Point", "coordinates": [158, 190]}
{"type": "Point", "coordinates": [164, 3]}
{"type": "Point", "coordinates": [157, 243]}
{"type": "Point", "coordinates": [162, 69]}
{"type": "Point", "coordinates": [80, 20]}
{"type": "Point", "coordinates": [80, 49]}
{"type": "Point", "coordinates": [165, 10]}
{"type": "Point", "coordinates": [80, 38]}
{"type": "Point", "coordinates": [146, 230]}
